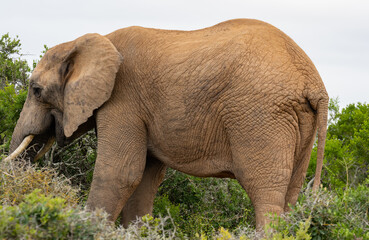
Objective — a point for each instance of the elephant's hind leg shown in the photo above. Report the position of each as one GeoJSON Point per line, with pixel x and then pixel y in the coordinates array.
{"type": "Point", "coordinates": [302, 157]}
{"type": "Point", "coordinates": [297, 180]}
{"type": "Point", "coordinates": [141, 201]}
{"type": "Point", "coordinates": [264, 169]}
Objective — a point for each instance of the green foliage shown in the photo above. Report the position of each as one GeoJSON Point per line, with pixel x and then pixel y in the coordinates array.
{"type": "Point", "coordinates": [13, 69]}
{"type": "Point", "coordinates": [331, 216]}
{"type": "Point", "coordinates": [203, 205]}
{"type": "Point", "coordinates": [75, 161]}
{"type": "Point", "coordinates": [279, 230]}
{"type": "Point", "coordinates": [42, 217]}
{"type": "Point", "coordinates": [14, 74]}
{"type": "Point", "coordinates": [11, 103]}
{"type": "Point", "coordinates": [320, 215]}
{"type": "Point", "coordinates": [41, 55]}
{"type": "Point", "coordinates": [334, 110]}
{"type": "Point", "coordinates": [163, 207]}
{"type": "Point", "coordinates": [346, 154]}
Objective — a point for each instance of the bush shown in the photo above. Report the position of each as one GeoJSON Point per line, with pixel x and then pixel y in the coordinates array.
{"type": "Point", "coordinates": [75, 161]}
{"type": "Point", "coordinates": [203, 205]}
{"type": "Point", "coordinates": [321, 215]}
{"type": "Point", "coordinates": [11, 103]}
{"type": "Point", "coordinates": [19, 178]}
{"type": "Point", "coordinates": [332, 216]}
{"type": "Point", "coordinates": [14, 73]}
{"type": "Point", "coordinates": [41, 217]}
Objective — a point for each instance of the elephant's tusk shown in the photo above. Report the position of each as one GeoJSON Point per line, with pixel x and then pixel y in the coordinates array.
{"type": "Point", "coordinates": [45, 148]}
{"type": "Point", "coordinates": [26, 141]}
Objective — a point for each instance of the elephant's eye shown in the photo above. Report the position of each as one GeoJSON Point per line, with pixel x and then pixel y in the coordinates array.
{"type": "Point", "coordinates": [37, 92]}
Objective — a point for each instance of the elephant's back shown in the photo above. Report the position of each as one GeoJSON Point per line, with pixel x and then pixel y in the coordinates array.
{"type": "Point", "coordinates": [228, 31]}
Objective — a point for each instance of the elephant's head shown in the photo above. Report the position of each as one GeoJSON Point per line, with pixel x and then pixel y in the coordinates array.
{"type": "Point", "coordinates": [69, 83]}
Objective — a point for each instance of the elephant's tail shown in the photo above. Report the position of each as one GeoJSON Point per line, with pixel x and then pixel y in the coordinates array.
{"type": "Point", "coordinates": [322, 117]}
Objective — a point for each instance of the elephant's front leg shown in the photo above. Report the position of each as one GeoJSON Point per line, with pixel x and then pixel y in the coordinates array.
{"type": "Point", "coordinates": [119, 165]}
{"type": "Point", "coordinates": [141, 201]}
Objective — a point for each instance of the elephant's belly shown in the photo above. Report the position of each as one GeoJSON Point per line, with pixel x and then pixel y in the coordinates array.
{"type": "Point", "coordinates": [207, 166]}
{"type": "Point", "coordinates": [198, 152]}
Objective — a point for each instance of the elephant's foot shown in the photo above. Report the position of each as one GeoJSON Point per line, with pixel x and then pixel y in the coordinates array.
{"type": "Point", "coordinates": [264, 213]}
{"type": "Point", "coordinates": [267, 203]}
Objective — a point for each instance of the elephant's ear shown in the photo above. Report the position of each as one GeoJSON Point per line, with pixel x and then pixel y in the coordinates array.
{"type": "Point", "coordinates": [92, 65]}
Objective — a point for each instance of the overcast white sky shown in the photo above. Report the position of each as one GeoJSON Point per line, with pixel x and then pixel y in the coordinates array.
{"type": "Point", "coordinates": [334, 33]}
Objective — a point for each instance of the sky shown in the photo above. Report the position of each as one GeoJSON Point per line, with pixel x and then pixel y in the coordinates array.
{"type": "Point", "coordinates": [334, 34]}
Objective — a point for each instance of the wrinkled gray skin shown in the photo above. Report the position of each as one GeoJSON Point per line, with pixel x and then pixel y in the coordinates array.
{"type": "Point", "coordinates": [238, 100]}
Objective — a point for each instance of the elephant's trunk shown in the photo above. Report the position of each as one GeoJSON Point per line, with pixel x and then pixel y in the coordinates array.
{"type": "Point", "coordinates": [36, 121]}
{"type": "Point", "coordinates": [17, 137]}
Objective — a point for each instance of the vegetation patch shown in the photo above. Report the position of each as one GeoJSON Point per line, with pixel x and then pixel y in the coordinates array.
{"type": "Point", "coordinates": [18, 178]}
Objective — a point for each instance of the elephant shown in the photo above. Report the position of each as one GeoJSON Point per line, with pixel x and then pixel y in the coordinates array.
{"type": "Point", "coordinates": [236, 100]}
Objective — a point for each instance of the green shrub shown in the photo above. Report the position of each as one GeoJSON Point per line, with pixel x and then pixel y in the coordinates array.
{"type": "Point", "coordinates": [41, 217]}
{"type": "Point", "coordinates": [203, 205]}
{"type": "Point", "coordinates": [333, 216]}
{"type": "Point", "coordinates": [276, 231]}
{"type": "Point", "coordinates": [75, 161]}
{"type": "Point", "coordinates": [11, 103]}
{"type": "Point", "coordinates": [321, 215]}
{"type": "Point", "coordinates": [14, 72]}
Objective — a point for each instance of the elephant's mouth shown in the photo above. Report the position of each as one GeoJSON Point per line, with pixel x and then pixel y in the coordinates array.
{"type": "Point", "coordinates": [37, 147]}
{"type": "Point", "coordinates": [42, 143]}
